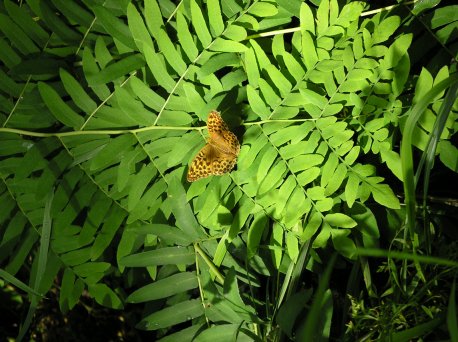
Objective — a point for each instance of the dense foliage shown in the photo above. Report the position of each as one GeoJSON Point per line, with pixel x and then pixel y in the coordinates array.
{"type": "Point", "coordinates": [323, 231]}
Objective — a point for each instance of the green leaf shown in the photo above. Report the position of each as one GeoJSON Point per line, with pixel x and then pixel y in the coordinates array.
{"type": "Point", "coordinates": [55, 24]}
{"type": "Point", "coordinates": [175, 314]}
{"type": "Point", "coordinates": [184, 216]}
{"type": "Point", "coordinates": [351, 157]}
{"type": "Point", "coordinates": [114, 26]}
{"type": "Point", "coordinates": [256, 103]}
{"type": "Point", "coordinates": [277, 243]}
{"type": "Point", "coordinates": [351, 189]}
{"type": "Point", "coordinates": [162, 256]}
{"type": "Point", "coordinates": [87, 269]}
{"type": "Point", "coordinates": [15, 34]}
{"type": "Point", "coordinates": [263, 9]}
{"type": "Point", "coordinates": [443, 16]}
{"type": "Point", "coordinates": [292, 246]}
{"type": "Point", "coordinates": [90, 67]}
{"type": "Point", "coordinates": [58, 107]}
{"type": "Point", "coordinates": [215, 18]}
{"type": "Point", "coordinates": [163, 288]}
{"type": "Point", "coordinates": [74, 12]}
{"type": "Point", "coordinates": [200, 26]}
{"type": "Point", "coordinates": [343, 244]}
{"type": "Point", "coordinates": [308, 176]}
{"type": "Point", "coordinates": [340, 220]}
{"type": "Point", "coordinates": [25, 21]}
{"type": "Point", "coordinates": [217, 62]}
{"type": "Point", "coordinates": [306, 18]}
{"type": "Point", "coordinates": [187, 334]}
{"type": "Point", "coordinates": [77, 92]}
{"type": "Point", "coordinates": [273, 178]}
{"type": "Point", "coordinates": [112, 152]}
{"type": "Point", "coordinates": [153, 17]}
{"type": "Point", "coordinates": [336, 180]}
{"type": "Point", "coordinates": [350, 13]}
{"type": "Point", "coordinates": [424, 5]}
{"type": "Point", "coordinates": [158, 69]}
{"type": "Point", "coordinates": [195, 101]}
{"type": "Point", "coordinates": [185, 38]}
{"type": "Point", "coordinates": [309, 53]}
{"type": "Point", "coordinates": [137, 28]}
{"type": "Point", "coordinates": [118, 69]}
{"type": "Point", "coordinates": [148, 96]}
{"type": "Point", "coordinates": [280, 81]}
{"type": "Point", "coordinates": [168, 234]}
{"type": "Point", "coordinates": [448, 155]}
{"type": "Point", "coordinates": [251, 66]}
{"type": "Point", "coordinates": [139, 185]}
{"type": "Point", "coordinates": [255, 233]}
{"type": "Point", "coordinates": [70, 291]}
{"type": "Point", "coordinates": [170, 53]}
{"type": "Point", "coordinates": [235, 33]}
{"type": "Point", "coordinates": [231, 292]}
{"type": "Point", "coordinates": [132, 109]}
{"type": "Point", "coordinates": [105, 296]}
{"type": "Point", "coordinates": [322, 18]}
{"type": "Point", "coordinates": [107, 233]}
{"type": "Point", "coordinates": [385, 29]}
{"type": "Point", "coordinates": [8, 85]}
{"type": "Point", "coordinates": [272, 99]}
{"type": "Point", "coordinates": [222, 332]}
{"type": "Point", "coordinates": [396, 51]}
{"type": "Point", "coordinates": [174, 118]}
{"type": "Point", "coordinates": [384, 195]}
{"type": "Point", "coordinates": [312, 226]}
{"type": "Point", "coordinates": [314, 98]}
{"type": "Point", "coordinates": [293, 66]}
{"type": "Point", "coordinates": [224, 45]}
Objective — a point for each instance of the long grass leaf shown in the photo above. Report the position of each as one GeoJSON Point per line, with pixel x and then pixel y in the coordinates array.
{"type": "Point", "coordinates": [381, 253]}
{"type": "Point", "coordinates": [42, 261]}
{"type": "Point", "coordinates": [16, 282]}
{"type": "Point", "coordinates": [452, 319]}
{"type": "Point", "coordinates": [406, 147]}
{"type": "Point", "coordinates": [418, 331]}
{"type": "Point", "coordinates": [310, 330]}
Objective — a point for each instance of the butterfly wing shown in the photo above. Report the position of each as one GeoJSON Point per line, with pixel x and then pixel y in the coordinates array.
{"type": "Point", "coordinates": [210, 161]}
{"type": "Point", "coordinates": [216, 124]}
{"type": "Point", "coordinates": [232, 142]}
{"type": "Point", "coordinates": [220, 153]}
{"type": "Point", "coordinates": [201, 164]}
{"type": "Point", "coordinates": [223, 163]}
{"type": "Point", "coordinates": [220, 135]}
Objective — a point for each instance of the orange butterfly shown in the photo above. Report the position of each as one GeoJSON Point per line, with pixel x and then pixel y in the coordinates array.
{"type": "Point", "coordinates": [220, 153]}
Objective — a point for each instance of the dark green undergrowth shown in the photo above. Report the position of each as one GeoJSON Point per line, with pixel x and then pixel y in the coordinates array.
{"type": "Point", "coordinates": [338, 222]}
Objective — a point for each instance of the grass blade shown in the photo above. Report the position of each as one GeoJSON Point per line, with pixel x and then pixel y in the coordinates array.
{"type": "Point", "coordinates": [42, 260]}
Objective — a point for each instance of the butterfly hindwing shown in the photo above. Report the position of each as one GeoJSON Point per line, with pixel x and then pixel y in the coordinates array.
{"type": "Point", "coordinates": [201, 164]}
{"type": "Point", "coordinates": [223, 164]}
{"type": "Point", "coordinates": [232, 142]}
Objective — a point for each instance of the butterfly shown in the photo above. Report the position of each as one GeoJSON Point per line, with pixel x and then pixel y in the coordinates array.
{"type": "Point", "coordinates": [219, 154]}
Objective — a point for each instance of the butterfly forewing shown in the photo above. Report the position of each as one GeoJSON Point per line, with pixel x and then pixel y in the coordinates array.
{"type": "Point", "coordinates": [216, 124]}
{"type": "Point", "coordinates": [220, 153]}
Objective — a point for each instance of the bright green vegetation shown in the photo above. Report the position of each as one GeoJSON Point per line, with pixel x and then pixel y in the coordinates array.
{"type": "Point", "coordinates": [338, 222]}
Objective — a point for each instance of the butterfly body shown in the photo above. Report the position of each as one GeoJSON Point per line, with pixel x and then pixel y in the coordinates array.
{"type": "Point", "coordinates": [220, 153]}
